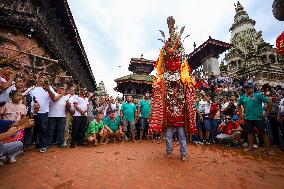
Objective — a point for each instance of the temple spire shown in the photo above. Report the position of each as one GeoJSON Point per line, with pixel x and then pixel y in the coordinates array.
{"type": "Point", "coordinates": [239, 7]}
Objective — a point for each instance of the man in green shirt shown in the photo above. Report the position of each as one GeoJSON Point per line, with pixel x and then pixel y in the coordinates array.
{"type": "Point", "coordinates": [144, 108]}
{"type": "Point", "coordinates": [113, 127]}
{"type": "Point", "coordinates": [128, 116]}
{"type": "Point", "coordinates": [96, 130]}
{"type": "Point", "coordinates": [254, 115]}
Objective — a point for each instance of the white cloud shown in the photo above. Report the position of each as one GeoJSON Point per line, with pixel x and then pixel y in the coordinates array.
{"type": "Point", "coordinates": [131, 27]}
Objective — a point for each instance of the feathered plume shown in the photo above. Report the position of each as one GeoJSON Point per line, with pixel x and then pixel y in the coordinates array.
{"type": "Point", "coordinates": [181, 30]}
{"type": "Point", "coordinates": [185, 38]}
{"type": "Point", "coordinates": [163, 34]}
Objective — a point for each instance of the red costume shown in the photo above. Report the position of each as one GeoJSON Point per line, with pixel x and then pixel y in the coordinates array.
{"type": "Point", "coordinates": [173, 90]}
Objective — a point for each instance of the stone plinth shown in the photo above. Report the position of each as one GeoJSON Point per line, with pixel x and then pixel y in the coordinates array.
{"type": "Point", "coordinates": [211, 65]}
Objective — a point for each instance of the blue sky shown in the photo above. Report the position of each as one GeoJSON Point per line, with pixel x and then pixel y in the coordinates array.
{"type": "Point", "coordinates": [114, 31]}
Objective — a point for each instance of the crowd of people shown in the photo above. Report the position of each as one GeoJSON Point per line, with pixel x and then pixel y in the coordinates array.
{"type": "Point", "coordinates": [239, 112]}
{"type": "Point", "coordinates": [232, 111]}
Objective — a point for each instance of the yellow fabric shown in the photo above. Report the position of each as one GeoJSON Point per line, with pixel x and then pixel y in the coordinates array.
{"type": "Point", "coordinates": [160, 63]}
{"type": "Point", "coordinates": [184, 74]}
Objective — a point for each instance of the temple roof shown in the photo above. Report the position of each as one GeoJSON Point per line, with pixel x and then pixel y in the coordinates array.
{"type": "Point", "coordinates": [141, 65]}
{"type": "Point", "coordinates": [51, 21]}
{"type": "Point", "coordinates": [210, 48]}
{"type": "Point", "coordinates": [64, 13]}
{"type": "Point", "coordinates": [135, 78]}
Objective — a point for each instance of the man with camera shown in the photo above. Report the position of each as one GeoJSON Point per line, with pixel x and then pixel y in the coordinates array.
{"type": "Point", "coordinates": [230, 130]}
{"type": "Point", "coordinates": [42, 94]}
{"type": "Point", "coordinates": [7, 77]}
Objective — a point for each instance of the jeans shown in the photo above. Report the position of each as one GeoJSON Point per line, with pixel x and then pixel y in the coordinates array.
{"type": "Point", "coordinates": [281, 132]}
{"type": "Point", "coordinates": [198, 122]}
{"type": "Point", "coordinates": [79, 126]}
{"type": "Point", "coordinates": [28, 137]}
{"type": "Point", "coordinates": [275, 130]}
{"type": "Point", "coordinates": [56, 124]}
{"type": "Point", "coordinates": [206, 124]}
{"type": "Point", "coordinates": [214, 123]}
{"type": "Point", "coordinates": [41, 130]}
{"type": "Point", "coordinates": [194, 137]}
{"type": "Point", "coordinates": [182, 140]}
{"type": "Point", "coordinates": [144, 123]}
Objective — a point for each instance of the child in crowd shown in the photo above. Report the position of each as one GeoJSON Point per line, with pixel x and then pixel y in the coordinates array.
{"type": "Point", "coordinates": [14, 111]}
{"type": "Point", "coordinates": [96, 130]}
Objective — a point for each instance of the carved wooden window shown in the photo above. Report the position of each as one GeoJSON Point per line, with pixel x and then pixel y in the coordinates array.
{"type": "Point", "coordinates": [138, 91]}
{"type": "Point", "coordinates": [272, 58]}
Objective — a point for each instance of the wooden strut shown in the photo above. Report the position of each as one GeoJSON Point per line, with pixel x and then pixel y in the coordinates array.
{"type": "Point", "coordinates": [37, 68]}
{"type": "Point", "coordinates": [14, 57]}
{"type": "Point", "coordinates": [27, 53]}
{"type": "Point", "coordinates": [31, 54]}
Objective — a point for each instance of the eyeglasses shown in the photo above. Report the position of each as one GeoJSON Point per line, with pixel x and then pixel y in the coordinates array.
{"type": "Point", "coordinates": [228, 118]}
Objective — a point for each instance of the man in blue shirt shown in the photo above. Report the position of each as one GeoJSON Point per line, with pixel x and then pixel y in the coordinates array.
{"type": "Point", "coordinates": [113, 126]}
{"type": "Point", "coordinates": [128, 116]}
{"type": "Point", "coordinates": [254, 115]}
{"type": "Point", "coordinates": [144, 108]}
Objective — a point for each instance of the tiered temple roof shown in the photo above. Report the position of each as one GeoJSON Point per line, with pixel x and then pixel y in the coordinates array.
{"type": "Point", "coordinates": [210, 48]}
{"type": "Point", "coordinates": [250, 54]}
{"type": "Point", "coordinates": [140, 81]}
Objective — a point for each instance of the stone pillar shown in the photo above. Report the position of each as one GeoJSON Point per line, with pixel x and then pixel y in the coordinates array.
{"type": "Point", "coordinates": [211, 65]}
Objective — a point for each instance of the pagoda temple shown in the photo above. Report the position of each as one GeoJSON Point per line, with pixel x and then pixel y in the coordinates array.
{"type": "Point", "coordinates": [204, 59]}
{"type": "Point", "coordinates": [41, 36]}
{"type": "Point", "coordinates": [140, 81]}
{"type": "Point", "coordinates": [250, 55]}
{"type": "Point", "coordinates": [101, 90]}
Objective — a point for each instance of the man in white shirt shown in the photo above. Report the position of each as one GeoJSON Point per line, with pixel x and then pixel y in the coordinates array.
{"type": "Point", "coordinates": [57, 117]}
{"type": "Point", "coordinates": [80, 120]}
{"type": "Point", "coordinates": [113, 105]}
{"type": "Point", "coordinates": [41, 94]}
{"type": "Point", "coordinates": [204, 109]}
{"type": "Point", "coordinates": [7, 77]}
